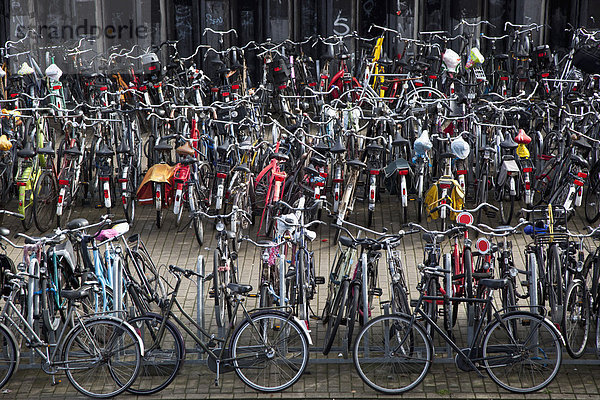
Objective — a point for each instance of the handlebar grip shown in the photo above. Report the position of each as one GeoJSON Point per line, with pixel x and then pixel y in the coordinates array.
{"type": "Point", "coordinates": [176, 269]}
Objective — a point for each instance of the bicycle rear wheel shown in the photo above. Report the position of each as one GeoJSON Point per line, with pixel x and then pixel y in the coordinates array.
{"type": "Point", "coordinates": [163, 356]}
{"type": "Point", "coordinates": [391, 355]}
{"type": "Point", "coordinates": [269, 351]}
{"type": "Point", "coordinates": [45, 198]}
{"type": "Point", "coordinates": [103, 358]}
{"type": "Point", "coordinates": [525, 358]}
{"type": "Point", "coordinates": [336, 315]}
{"type": "Point", "coordinates": [576, 318]}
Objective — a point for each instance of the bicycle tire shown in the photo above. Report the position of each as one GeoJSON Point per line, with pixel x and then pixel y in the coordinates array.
{"type": "Point", "coordinates": [554, 284]}
{"type": "Point", "coordinates": [102, 333]}
{"type": "Point", "coordinates": [507, 207]}
{"type": "Point", "coordinates": [27, 199]}
{"type": "Point", "coordinates": [51, 310]}
{"type": "Point", "coordinates": [223, 312]}
{"type": "Point", "coordinates": [10, 355]}
{"type": "Point", "coordinates": [592, 203]}
{"type": "Point", "coordinates": [283, 337]}
{"type": "Point", "coordinates": [506, 356]}
{"type": "Point", "coordinates": [576, 318]}
{"type": "Point", "coordinates": [400, 351]}
{"type": "Point", "coordinates": [400, 304]}
{"type": "Point", "coordinates": [338, 309]}
{"type": "Point", "coordinates": [45, 198]}
{"type": "Point", "coordinates": [162, 358]}
{"type": "Point", "coordinates": [353, 303]}
{"type": "Point", "coordinates": [194, 203]}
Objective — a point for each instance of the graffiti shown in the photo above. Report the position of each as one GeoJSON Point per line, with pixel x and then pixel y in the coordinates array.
{"type": "Point", "coordinates": [368, 7]}
{"type": "Point", "coordinates": [340, 25]}
{"type": "Point", "coordinates": [215, 21]}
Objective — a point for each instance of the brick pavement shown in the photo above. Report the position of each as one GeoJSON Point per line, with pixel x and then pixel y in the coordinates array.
{"type": "Point", "coordinates": [323, 379]}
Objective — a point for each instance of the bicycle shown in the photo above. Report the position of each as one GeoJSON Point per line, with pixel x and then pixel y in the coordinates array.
{"type": "Point", "coordinates": [393, 353]}
{"type": "Point", "coordinates": [97, 352]}
{"type": "Point", "coordinates": [268, 349]}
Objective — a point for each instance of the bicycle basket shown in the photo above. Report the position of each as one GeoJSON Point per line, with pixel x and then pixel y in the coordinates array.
{"type": "Point", "coordinates": [548, 238]}
{"type": "Point", "coordinates": [587, 59]}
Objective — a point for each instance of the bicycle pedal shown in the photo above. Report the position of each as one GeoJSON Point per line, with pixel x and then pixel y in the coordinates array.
{"type": "Point", "coordinates": [315, 317]}
{"type": "Point", "coordinates": [376, 292]}
{"type": "Point", "coordinates": [253, 295]}
{"type": "Point", "coordinates": [412, 198]}
{"type": "Point", "coordinates": [319, 280]}
{"type": "Point", "coordinates": [413, 303]}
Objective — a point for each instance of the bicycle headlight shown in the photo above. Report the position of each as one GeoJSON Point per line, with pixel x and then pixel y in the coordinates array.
{"type": "Point", "coordinates": [513, 272]}
{"type": "Point", "coordinates": [220, 226]}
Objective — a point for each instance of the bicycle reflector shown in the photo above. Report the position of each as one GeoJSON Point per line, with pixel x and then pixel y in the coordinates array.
{"type": "Point", "coordinates": [464, 218]}
{"type": "Point", "coordinates": [483, 245]}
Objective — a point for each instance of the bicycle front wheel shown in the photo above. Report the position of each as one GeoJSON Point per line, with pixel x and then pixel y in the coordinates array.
{"type": "Point", "coordinates": [269, 351]}
{"type": "Point", "coordinates": [522, 352]}
{"type": "Point", "coordinates": [102, 357]}
{"type": "Point", "coordinates": [391, 355]}
{"type": "Point", "coordinates": [9, 355]}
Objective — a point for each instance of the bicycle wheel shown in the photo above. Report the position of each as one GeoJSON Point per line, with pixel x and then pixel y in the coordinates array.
{"type": "Point", "coordinates": [51, 311]}
{"type": "Point", "coordinates": [220, 281]}
{"type": "Point", "coordinates": [102, 357]}
{"type": "Point", "coordinates": [506, 205]}
{"type": "Point", "coordinates": [9, 355]}
{"type": "Point", "coordinates": [159, 192]}
{"type": "Point", "coordinates": [194, 201]}
{"type": "Point", "coordinates": [525, 359]}
{"type": "Point", "coordinates": [400, 299]}
{"type": "Point", "coordinates": [592, 204]}
{"type": "Point", "coordinates": [391, 355]}
{"type": "Point", "coordinates": [163, 356]}
{"type": "Point", "coordinates": [269, 351]}
{"type": "Point", "coordinates": [353, 304]}
{"type": "Point", "coordinates": [27, 197]}
{"type": "Point", "coordinates": [576, 318]}
{"type": "Point", "coordinates": [554, 284]}
{"type": "Point", "coordinates": [45, 198]}
{"type": "Point", "coordinates": [302, 300]}
{"type": "Point", "coordinates": [336, 315]}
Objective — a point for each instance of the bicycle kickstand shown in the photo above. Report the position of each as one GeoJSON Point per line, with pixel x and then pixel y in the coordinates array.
{"type": "Point", "coordinates": [218, 371]}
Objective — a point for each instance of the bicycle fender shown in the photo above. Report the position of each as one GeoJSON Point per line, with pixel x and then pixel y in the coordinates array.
{"type": "Point", "coordinates": [118, 321]}
{"type": "Point", "coordinates": [533, 316]}
{"type": "Point", "coordinates": [286, 315]}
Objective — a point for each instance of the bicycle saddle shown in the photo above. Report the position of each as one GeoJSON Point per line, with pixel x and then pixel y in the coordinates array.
{"type": "Point", "coordinates": [185, 150]}
{"type": "Point", "coordinates": [374, 147]}
{"type": "Point", "coordinates": [163, 145]}
{"type": "Point", "coordinates": [399, 140]}
{"type": "Point", "coordinates": [47, 150]}
{"type": "Point", "coordinates": [493, 283]}
{"type": "Point", "coordinates": [105, 151]}
{"type": "Point", "coordinates": [356, 164]}
{"type": "Point", "coordinates": [4, 231]}
{"type": "Point", "coordinates": [429, 237]}
{"type": "Point", "coordinates": [508, 143]}
{"type": "Point", "coordinates": [338, 147]}
{"type": "Point", "coordinates": [310, 170]}
{"type": "Point", "coordinates": [318, 160]}
{"type": "Point", "coordinates": [346, 241]}
{"type": "Point", "coordinates": [237, 288]}
{"type": "Point", "coordinates": [75, 294]}
{"type": "Point", "coordinates": [123, 147]}
{"type": "Point", "coordinates": [26, 152]}
{"type": "Point", "coordinates": [242, 168]}
{"type": "Point", "coordinates": [321, 147]}
{"type": "Point", "coordinates": [582, 143]}
{"type": "Point", "coordinates": [577, 159]}
{"type": "Point", "coordinates": [188, 160]}
{"type": "Point", "coordinates": [522, 137]}
{"type": "Point", "coordinates": [75, 151]}
{"type": "Point", "coordinates": [501, 56]}
{"type": "Point", "coordinates": [77, 223]}
{"type": "Point", "coordinates": [281, 157]}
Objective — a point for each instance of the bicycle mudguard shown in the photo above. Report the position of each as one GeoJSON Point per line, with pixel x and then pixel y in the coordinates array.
{"type": "Point", "coordinates": [283, 314]}
{"type": "Point", "coordinates": [172, 325]}
{"type": "Point", "coordinates": [533, 316]}
{"type": "Point", "coordinates": [104, 316]}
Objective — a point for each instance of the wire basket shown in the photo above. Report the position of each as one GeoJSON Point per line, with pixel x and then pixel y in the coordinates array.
{"type": "Point", "coordinates": [545, 238]}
